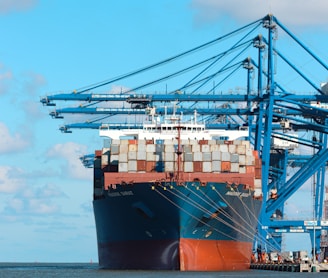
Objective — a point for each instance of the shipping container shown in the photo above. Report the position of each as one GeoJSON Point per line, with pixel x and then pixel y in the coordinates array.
{"type": "Point", "coordinates": [207, 167]}
{"type": "Point", "coordinates": [198, 166]}
{"type": "Point", "coordinates": [141, 165]}
{"type": "Point", "coordinates": [225, 166]}
{"type": "Point", "coordinates": [216, 166]}
{"type": "Point", "coordinates": [150, 166]}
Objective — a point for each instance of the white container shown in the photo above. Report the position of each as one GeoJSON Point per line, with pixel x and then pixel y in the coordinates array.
{"type": "Point", "coordinates": [216, 166]}
{"type": "Point", "coordinates": [188, 156]}
{"type": "Point", "coordinates": [122, 166]}
{"type": "Point", "coordinates": [115, 142]}
{"type": "Point", "coordinates": [195, 148]}
{"type": "Point", "coordinates": [242, 169]}
{"type": "Point", "coordinates": [207, 167]}
{"type": "Point", "coordinates": [141, 155]}
{"type": "Point", "coordinates": [242, 159]}
{"type": "Point", "coordinates": [214, 148]}
{"type": "Point", "coordinates": [123, 157]}
{"type": "Point", "coordinates": [224, 148]}
{"type": "Point", "coordinates": [205, 148]}
{"type": "Point", "coordinates": [124, 148]}
{"type": "Point", "coordinates": [132, 166]}
{"type": "Point", "coordinates": [169, 166]}
{"type": "Point", "coordinates": [250, 160]}
{"type": "Point", "coordinates": [241, 149]}
{"type": "Point", "coordinates": [133, 148]}
{"type": "Point", "coordinates": [258, 184]}
{"type": "Point", "coordinates": [132, 155]}
{"type": "Point", "coordinates": [188, 167]}
{"type": "Point", "coordinates": [235, 167]}
{"type": "Point", "coordinates": [232, 148]}
{"type": "Point", "coordinates": [234, 158]}
{"type": "Point", "coordinates": [198, 156]}
{"type": "Point", "coordinates": [150, 156]}
{"type": "Point", "coordinates": [249, 151]}
{"type": "Point", "coordinates": [207, 156]}
{"type": "Point", "coordinates": [169, 156]}
{"type": "Point", "coordinates": [150, 148]}
{"type": "Point", "coordinates": [169, 148]}
{"type": "Point", "coordinates": [216, 155]}
{"type": "Point", "coordinates": [115, 149]}
{"type": "Point", "coordinates": [225, 156]}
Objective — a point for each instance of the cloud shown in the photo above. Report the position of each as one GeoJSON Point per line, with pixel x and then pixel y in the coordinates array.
{"type": "Point", "coordinates": [70, 152]}
{"type": "Point", "coordinates": [34, 201]}
{"type": "Point", "coordinates": [32, 82]}
{"type": "Point", "coordinates": [49, 191]}
{"type": "Point", "coordinates": [7, 6]}
{"type": "Point", "coordinates": [9, 179]}
{"type": "Point", "coordinates": [11, 143]}
{"type": "Point", "coordinates": [301, 13]}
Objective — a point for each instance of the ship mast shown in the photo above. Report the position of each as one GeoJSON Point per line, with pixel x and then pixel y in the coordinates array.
{"type": "Point", "coordinates": [179, 153]}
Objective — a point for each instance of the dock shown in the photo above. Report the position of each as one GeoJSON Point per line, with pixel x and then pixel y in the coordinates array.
{"type": "Point", "coordinates": [291, 267]}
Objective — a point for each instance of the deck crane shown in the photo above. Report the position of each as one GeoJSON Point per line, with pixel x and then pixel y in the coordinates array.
{"type": "Point", "coordinates": [274, 115]}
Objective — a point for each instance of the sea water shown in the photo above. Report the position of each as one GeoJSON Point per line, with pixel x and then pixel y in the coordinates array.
{"type": "Point", "coordinates": [35, 270]}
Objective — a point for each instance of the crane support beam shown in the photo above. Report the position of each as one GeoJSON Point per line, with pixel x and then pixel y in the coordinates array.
{"type": "Point", "coordinates": [49, 100]}
{"type": "Point", "coordinates": [298, 179]}
{"type": "Point", "coordinates": [161, 111]}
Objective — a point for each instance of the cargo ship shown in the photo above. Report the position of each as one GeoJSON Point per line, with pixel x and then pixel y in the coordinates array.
{"type": "Point", "coordinates": [174, 195]}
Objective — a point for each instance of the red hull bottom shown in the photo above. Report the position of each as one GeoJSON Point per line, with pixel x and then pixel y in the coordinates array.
{"type": "Point", "coordinates": [188, 255]}
{"type": "Point", "coordinates": [214, 255]}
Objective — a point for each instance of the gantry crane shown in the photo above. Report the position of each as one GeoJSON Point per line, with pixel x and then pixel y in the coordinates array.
{"type": "Point", "coordinates": [274, 115]}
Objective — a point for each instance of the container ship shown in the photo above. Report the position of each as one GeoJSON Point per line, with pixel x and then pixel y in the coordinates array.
{"type": "Point", "coordinates": [174, 195]}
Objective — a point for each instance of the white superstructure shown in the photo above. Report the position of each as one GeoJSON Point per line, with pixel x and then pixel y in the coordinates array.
{"type": "Point", "coordinates": [170, 129]}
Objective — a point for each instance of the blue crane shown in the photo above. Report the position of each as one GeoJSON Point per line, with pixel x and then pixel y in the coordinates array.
{"type": "Point", "coordinates": [273, 114]}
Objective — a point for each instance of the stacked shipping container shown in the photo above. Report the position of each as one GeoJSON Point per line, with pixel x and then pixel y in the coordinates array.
{"type": "Point", "coordinates": [198, 156]}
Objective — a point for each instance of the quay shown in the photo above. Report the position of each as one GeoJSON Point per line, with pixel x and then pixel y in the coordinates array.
{"type": "Point", "coordinates": [291, 267]}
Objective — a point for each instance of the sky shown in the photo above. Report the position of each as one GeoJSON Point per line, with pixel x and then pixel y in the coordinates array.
{"type": "Point", "coordinates": [54, 46]}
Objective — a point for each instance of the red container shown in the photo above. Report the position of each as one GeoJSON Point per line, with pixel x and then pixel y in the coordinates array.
{"type": "Point", "coordinates": [258, 173]}
{"type": "Point", "coordinates": [141, 165]}
{"type": "Point", "coordinates": [198, 166]}
{"type": "Point", "coordinates": [203, 142]}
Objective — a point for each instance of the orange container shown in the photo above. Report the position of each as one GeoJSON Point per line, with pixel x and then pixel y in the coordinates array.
{"type": "Point", "coordinates": [225, 166]}
{"type": "Point", "coordinates": [250, 169]}
{"type": "Point", "coordinates": [150, 166]}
